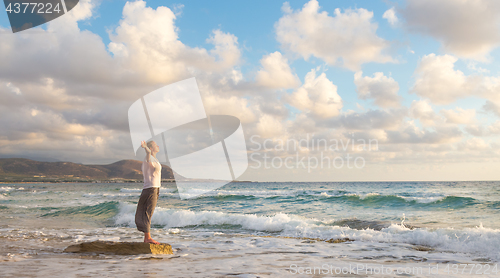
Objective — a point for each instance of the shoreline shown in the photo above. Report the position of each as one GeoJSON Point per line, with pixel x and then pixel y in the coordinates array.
{"type": "Point", "coordinates": [98, 181]}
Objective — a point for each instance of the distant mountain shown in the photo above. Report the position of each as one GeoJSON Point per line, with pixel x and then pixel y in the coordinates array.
{"type": "Point", "coordinates": [16, 168]}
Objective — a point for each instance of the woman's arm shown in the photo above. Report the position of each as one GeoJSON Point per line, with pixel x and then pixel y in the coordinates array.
{"type": "Point", "coordinates": [148, 151]}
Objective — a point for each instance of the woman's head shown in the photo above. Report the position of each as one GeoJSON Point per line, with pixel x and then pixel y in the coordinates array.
{"type": "Point", "coordinates": [153, 146]}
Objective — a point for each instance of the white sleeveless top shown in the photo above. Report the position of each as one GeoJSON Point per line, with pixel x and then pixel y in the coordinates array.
{"type": "Point", "coordinates": [151, 172]}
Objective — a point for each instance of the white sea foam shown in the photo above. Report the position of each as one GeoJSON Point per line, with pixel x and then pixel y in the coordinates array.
{"type": "Point", "coordinates": [39, 192]}
{"type": "Point", "coordinates": [255, 193]}
{"type": "Point", "coordinates": [123, 194]}
{"type": "Point", "coordinates": [110, 195]}
{"type": "Point", "coordinates": [368, 195]}
{"type": "Point", "coordinates": [131, 190]}
{"type": "Point", "coordinates": [423, 200]}
{"type": "Point", "coordinates": [78, 238]}
{"type": "Point", "coordinates": [6, 189]}
{"type": "Point", "coordinates": [182, 218]}
{"type": "Point", "coordinates": [266, 193]}
{"type": "Point", "coordinates": [479, 241]}
{"type": "Point", "coordinates": [139, 190]}
{"type": "Point", "coordinates": [419, 198]}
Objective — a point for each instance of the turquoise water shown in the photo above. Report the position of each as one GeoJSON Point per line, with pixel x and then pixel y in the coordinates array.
{"type": "Point", "coordinates": [449, 217]}
{"type": "Point", "coordinates": [420, 204]}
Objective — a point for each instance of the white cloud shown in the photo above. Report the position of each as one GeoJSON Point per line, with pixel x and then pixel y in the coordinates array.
{"type": "Point", "coordinates": [411, 134]}
{"type": "Point", "coordinates": [391, 17]}
{"type": "Point", "coordinates": [303, 124]}
{"type": "Point", "coordinates": [459, 115]}
{"type": "Point", "coordinates": [269, 127]}
{"type": "Point", "coordinates": [437, 80]}
{"type": "Point", "coordinates": [62, 86]}
{"type": "Point", "coordinates": [75, 109]}
{"type": "Point", "coordinates": [484, 130]}
{"type": "Point", "coordinates": [390, 119]}
{"type": "Point", "coordinates": [68, 22]}
{"type": "Point", "coordinates": [226, 49]}
{"type": "Point", "coordinates": [346, 39]}
{"type": "Point", "coordinates": [490, 106]}
{"type": "Point", "coordinates": [13, 88]}
{"type": "Point", "coordinates": [467, 28]}
{"type": "Point", "coordinates": [62, 50]}
{"type": "Point", "coordinates": [146, 42]}
{"type": "Point", "coordinates": [494, 128]}
{"type": "Point", "coordinates": [360, 107]}
{"type": "Point", "coordinates": [276, 72]}
{"type": "Point", "coordinates": [318, 96]}
{"type": "Point", "coordinates": [382, 89]}
{"type": "Point", "coordinates": [422, 110]}
{"type": "Point", "coordinates": [476, 130]}
{"type": "Point", "coordinates": [472, 66]}
{"type": "Point", "coordinates": [234, 106]}
{"type": "Point", "coordinates": [473, 144]}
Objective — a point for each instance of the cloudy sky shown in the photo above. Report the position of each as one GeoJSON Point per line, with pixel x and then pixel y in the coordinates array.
{"type": "Point", "coordinates": [420, 78]}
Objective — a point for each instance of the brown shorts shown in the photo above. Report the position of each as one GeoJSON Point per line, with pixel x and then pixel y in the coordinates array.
{"type": "Point", "coordinates": [145, 208]}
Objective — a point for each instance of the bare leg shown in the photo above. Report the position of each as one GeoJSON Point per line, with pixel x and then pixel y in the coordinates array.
{"type": "Point", "coordinates": [148, 239]}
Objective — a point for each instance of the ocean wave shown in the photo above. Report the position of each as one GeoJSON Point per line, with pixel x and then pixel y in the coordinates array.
{"type": "Point", "coordinates": [267, 194]}
{"type": "Point", "coordinates": [479, 241]}
{"type": "Point", "coordinates": [183, 218]}
{"type": "Point", "coordinates": [415, 199]}
{"type": "Point", "coordinates": [494, 205]}
{"type": "Point", "coordinates": [103, 210]}
{"type": "Point", "coordinates": [377, 200]}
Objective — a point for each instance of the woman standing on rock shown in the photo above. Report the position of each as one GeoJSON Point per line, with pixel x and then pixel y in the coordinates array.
{"type": "Point", "coordinates": [151, 170]}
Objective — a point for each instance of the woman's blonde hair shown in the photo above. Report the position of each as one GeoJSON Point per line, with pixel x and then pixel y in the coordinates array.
{"type": "Point", "coordinates": [150, 144]}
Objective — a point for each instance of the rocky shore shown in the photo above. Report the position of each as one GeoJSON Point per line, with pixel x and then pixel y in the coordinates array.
{"type": "Point", "coordinates": [120, 248]}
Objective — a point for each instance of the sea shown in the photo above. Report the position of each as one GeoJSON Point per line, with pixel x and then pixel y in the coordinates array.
{"type": "Point", "coordinates": [256, 229]}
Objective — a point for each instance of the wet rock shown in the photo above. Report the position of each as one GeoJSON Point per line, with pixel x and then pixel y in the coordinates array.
{"type": "Point", "coordinates": [422, 248]}
{"type": "Point", "coordinates": [120, 248]}
{"type": "Point", "coordinates": [339, 240]}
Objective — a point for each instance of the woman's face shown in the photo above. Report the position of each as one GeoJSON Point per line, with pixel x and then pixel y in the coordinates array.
{"type": "Point", "coordinates": [155, 146]}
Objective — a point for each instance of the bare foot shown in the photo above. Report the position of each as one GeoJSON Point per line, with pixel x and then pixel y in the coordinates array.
{"type": "Point", "coordinates": [150, 240]}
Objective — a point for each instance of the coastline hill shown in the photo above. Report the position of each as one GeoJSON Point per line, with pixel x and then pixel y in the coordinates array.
{"type": "Point", "coordinates": [22, 169]}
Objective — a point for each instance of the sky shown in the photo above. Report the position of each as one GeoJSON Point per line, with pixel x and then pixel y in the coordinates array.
{"type": "Point", "coordinates": [417, 79]}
